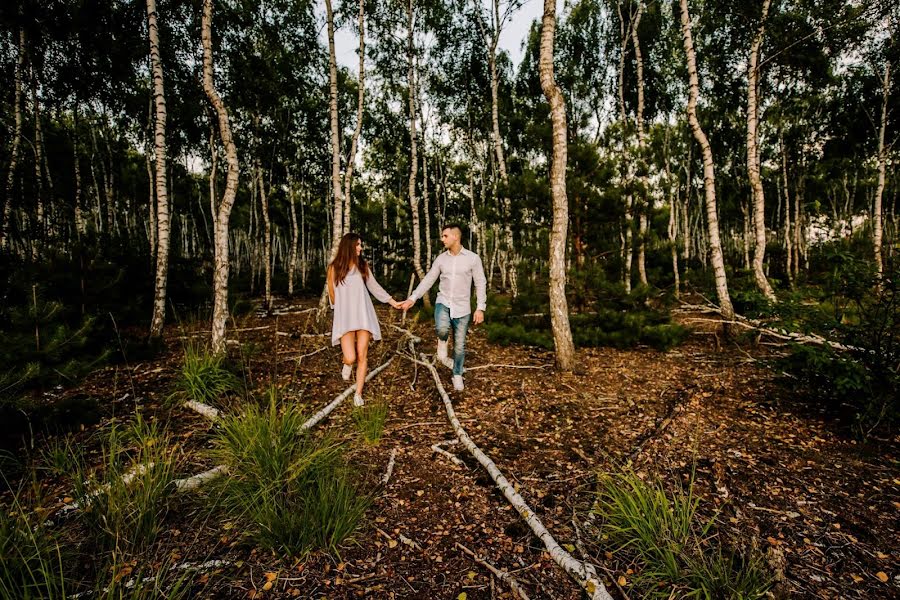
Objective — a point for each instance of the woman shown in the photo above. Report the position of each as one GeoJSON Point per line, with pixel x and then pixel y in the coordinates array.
{"type": "Point", "coordinates": [349, 282]}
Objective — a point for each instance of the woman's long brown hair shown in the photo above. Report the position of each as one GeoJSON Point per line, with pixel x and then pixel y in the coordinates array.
{"type": "Point", "coordinates": [346, 259]}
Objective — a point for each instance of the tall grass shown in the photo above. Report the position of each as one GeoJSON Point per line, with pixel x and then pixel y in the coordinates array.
{"type": "Point", "coordinates": [204, 377]}
{"type": "Point", "coordinates": [674, 549]}
{"type": "Point", "coordinates": [369, 420]}
{"type": "Point", "coordinates": [31, 560]}
{"type": "Point", "coordinates": [292, 492]}
{"type": "Point", "coordinates": [126, 499]}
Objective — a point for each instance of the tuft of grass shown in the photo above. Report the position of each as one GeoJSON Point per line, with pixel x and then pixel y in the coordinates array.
{"type": "Point", "coordinates": [59, 455]}
{"type": "Point", "coordinates": [293, 493]}
{"type": "Point", "coordinates": [126, 499]}
{"type": "Point", "coordinates": [204, 377]}
{"type": "Point", "coordinates": [369, 420]}
{"type": "Point", "coordinates": [32, 560]}
{"type": "Point", "coordinates": [672, 546]}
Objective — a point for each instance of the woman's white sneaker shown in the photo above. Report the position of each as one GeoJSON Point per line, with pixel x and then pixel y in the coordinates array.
{"type": "Point", "coordinates": [346, 372]}
{"type": "Point", "coordinates": [458, 383]}
{"type": "Point", "coordinates": [358, 400]}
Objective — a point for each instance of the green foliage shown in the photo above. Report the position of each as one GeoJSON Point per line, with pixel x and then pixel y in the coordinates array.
{"type": "Point", "coordinates": [864, 314]}
{"type": "Point", "coordinates": [292, 492]}
{"type": "Point", "coordinates": [674, 549]}
{"type": "Point", "coordinates": [127, 497]}
{"type": "Point", "coordinates": [204, 377]}
{"type": "Point", "coordinates": [369, 420]}
{"type": "Point", "coordinates": [603, 328]}
{"type": "Point", "coordinates": [32, 563]}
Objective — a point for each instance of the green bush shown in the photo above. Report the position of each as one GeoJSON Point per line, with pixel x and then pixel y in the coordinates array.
{"type": "Point", "coordinates": [292, 492]}
{"type": "Point", "coordinates": [674, 550]}
{"type": "Point", "coordinates": [604, 328]}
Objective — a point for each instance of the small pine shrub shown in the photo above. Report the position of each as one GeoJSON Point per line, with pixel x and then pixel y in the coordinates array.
{"type": "Point", "coordinates": [293, 493]}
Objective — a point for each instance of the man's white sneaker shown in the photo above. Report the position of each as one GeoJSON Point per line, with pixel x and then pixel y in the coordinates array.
{"type": "Point", "coordinates": [447, 362]}
{"type": "Point", "coordinates": [346, 372]}
{"type": "Point", "coordinates": [442, 351]}
{"type": "Point", "coordinates": [358, 400]}
{"type": "Point", "coordinates": [458, 383]}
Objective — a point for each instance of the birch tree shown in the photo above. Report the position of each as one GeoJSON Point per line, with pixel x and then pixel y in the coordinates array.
{"type": "Point", "coordinates": [709, 175]}
{"type": "Point", "coordinates": [753, 168]}
{"type": "Point", "coordinates": [161, 235]}
{"type": "Point", "coordinates": [16, 142]}
{"type": "Point", "coordinates": [354, 140]}
{"type": "Point", "coordinates": [223, 211]}
{"type": "Point", "coordinates": [559, 309]}
{"type": "Point", "coordinates": [882, 161]}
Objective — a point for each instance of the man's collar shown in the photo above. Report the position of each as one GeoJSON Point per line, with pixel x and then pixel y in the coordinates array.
{"type": "Point", "coordinates": [462, 250]}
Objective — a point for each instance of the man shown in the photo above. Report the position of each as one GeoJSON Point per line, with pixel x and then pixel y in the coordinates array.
{"type": "Point", "coordinates": [457, 268]}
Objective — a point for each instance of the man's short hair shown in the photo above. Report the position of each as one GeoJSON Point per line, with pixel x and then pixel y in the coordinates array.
{"type": "Point", "coordinates": [457, 226]}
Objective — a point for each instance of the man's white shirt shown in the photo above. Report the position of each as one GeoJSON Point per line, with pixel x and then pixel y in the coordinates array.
{"type": "Point", "coordinates": [455, 290]}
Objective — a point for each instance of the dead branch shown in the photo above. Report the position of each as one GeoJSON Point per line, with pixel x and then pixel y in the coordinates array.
{"type": "Point", "coordinates": [453, 458]}
{"type": "Point", "coordinates": [583, 573]}
{"type": "Point", "coordinates": [501, 575]}
{"type": "Point", "coordinates": [390, 467]}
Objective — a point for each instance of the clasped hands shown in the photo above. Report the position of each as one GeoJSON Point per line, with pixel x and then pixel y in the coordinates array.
{"type": "Point", "coordinates": [477, 318]}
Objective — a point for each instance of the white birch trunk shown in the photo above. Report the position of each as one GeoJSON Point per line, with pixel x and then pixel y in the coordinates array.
{"type": "Point", "coordinates": [709, 177]}
{"type": "Point", "coordinates": [882, 160]}
{"type": "Point", "coordinates": [348, 176]}
{"type": "Point", "coordinates": [161, 236]}
{"type": "Point", "coordinates": [644, 206]}
{"type": "Point", "coordinates": [559, 310]}
{"type": "Point", "coordinates": [223, 214]}
{"type": "Point", "coordinates": [16, 142]}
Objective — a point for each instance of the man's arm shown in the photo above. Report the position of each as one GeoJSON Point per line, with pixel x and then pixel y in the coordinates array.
{"type": "Point", "coordinates": [428, 281]}
{"type": "Point", "coordinates": [480, 284]}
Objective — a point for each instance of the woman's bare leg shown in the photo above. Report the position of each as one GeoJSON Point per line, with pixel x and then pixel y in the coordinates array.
{"type": "Point", "coordinates": [348, 347]}
{"type": "Point", "coordinates": [362, 358]}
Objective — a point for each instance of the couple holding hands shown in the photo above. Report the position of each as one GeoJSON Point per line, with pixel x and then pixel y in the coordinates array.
{"type": "Point", "coordinates": [350, 280]}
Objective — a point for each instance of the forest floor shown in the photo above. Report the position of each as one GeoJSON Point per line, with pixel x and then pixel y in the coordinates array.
{"type": "Point", "coordinates": [821, 506]}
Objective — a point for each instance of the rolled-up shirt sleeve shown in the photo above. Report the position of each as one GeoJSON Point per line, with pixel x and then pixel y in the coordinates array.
{"type": "Point", "coordinates": [429, 280]}
{"type": "Point", "coordinates": [376, 289]}
{"type": "Point", "coordinates": [480, 284]}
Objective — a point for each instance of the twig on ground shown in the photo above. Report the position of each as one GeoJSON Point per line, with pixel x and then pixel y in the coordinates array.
{"type": "Point", "coordinates": [390, 467]}
{"type": "Point", "coordinates": [206, 410]}
{"type": "Point", "coordinates": [501, 575]}
{"type": "Point", "coordinates": [508, 367]}
{"type": "Point", "coordinates": [453, 458]}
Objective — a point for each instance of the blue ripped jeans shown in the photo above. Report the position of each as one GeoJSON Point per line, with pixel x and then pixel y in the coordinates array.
{"type": "Point", "coordinates": [443, 323]}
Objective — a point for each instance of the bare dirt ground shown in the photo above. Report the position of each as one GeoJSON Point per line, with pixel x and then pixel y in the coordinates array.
{"type": "Point", "coordinates": [823, 507]}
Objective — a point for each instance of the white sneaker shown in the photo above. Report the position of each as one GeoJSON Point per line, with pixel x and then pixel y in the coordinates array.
{"type": "Point", "coordinates": [458, 383]}
{"type": "Point", "coordinates": [346, 372]}
{"type": "Point", "coordinates": [358, 400]}
{"type": "Point", "coordinates": [447, 362]}
{"type": "Point", "coordinates": [442, 351]}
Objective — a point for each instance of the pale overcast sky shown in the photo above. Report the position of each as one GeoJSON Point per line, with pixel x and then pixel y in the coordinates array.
{"type": "Point", "coordinates": [514, 32]}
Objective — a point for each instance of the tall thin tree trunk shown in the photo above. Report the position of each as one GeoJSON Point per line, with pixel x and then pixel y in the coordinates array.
{"type": "Point", "coordinates": [627, 253]}
{"type": "Point", "coordinates": [16, 142]}
{"type": "Point", "coordinates": [753, 168]}
{"type": "Point", "coordinates": [162, 188]}
{"type": "Point", "coordinates": [644, 206]}
{"type": "Point", "coordinates": [40, 225]}
{"type": "Point", "coordinates": [709, 176]}
{"type": "Point", "coordinates": [882, 160]}
{"type": "Point", "coordinates": [788, 244]}
{"type": "Point", "coordinates": [223, 214]}
{"type": "Point", "coordinates": [76, 163]}
{"type": "Point", "coordinates": [413, 149]}
{"type": "Point", "coordinates": [336, 225]}
{"type": "Point", "coordinates": [348, 177]}
{"type": "Point", "coordinates": [295, 240]}
{"type": "Point", "coordinates": [267, 233]}
{"type": "Point", "coordinates": [559, 310]}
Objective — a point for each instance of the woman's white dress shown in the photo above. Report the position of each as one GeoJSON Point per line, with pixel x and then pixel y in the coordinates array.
{"type": "Point", "coordinates": [353, 309]}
